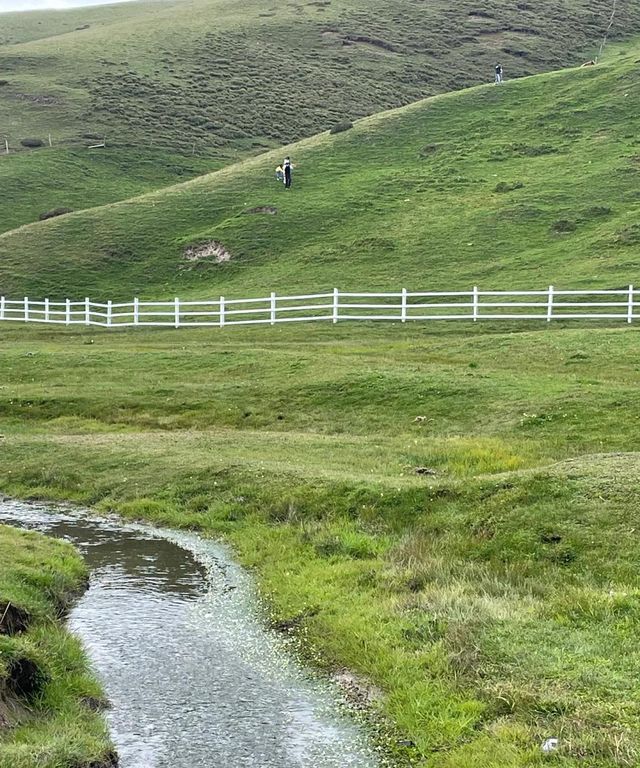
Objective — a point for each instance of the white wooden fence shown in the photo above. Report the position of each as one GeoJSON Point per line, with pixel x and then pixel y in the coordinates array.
{"type": "Point", "coordinates": [403, 306]}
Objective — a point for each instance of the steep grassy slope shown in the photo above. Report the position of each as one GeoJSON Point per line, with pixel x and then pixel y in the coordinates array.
{"type": "Point", "coordinates": [495, 602]}
{"type": "Point", "coordinates": [532, 183]}
{"type": "Point", "coordinates": [47, 694]}
{"type": "Point", "coordinates": [183, 83]}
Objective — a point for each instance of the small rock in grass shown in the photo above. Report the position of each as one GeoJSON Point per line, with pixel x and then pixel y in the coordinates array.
{"type": "Point", "coordinates": [425, 471]}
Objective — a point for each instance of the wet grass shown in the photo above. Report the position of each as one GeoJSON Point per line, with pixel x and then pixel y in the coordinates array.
{"type": "Point", "coordinates": [495, 601]}
{"type": "Point", "coordinates": [48, 695]}
{"type": "Point", "coordinates": [193, 84]}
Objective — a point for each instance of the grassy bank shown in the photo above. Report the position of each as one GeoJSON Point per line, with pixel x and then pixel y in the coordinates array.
{"type": "Point", "coordinates": [495, 601]}
{"type": "Point", "coordinates": [48, 695]}
{"type": "Point", "coordinates": [181, 87]}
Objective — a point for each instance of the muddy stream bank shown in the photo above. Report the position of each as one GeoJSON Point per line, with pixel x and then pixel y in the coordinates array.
{"type": "Point", "coordinates": [194, 678]}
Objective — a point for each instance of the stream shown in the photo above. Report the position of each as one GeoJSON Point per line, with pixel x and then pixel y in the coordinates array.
{"type": "Point", "coordinates": [172, 626]}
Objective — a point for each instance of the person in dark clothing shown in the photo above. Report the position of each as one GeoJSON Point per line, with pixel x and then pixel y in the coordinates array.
{"type": "Point", "coordinates": [287, 167]}
{"type": "Point", "coordinates": [498, 74]}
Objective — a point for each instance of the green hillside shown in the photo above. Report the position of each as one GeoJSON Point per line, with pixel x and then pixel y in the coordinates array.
{"type": "Point", "coordinates": [531, 183]}
{"type": "Point", "coordinates": [183, 86]}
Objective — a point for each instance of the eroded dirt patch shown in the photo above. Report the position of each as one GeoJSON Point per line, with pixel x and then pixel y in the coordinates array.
{"type": "Point", "coordinates": [481, 16]}
{"type": "Point", "coordinates": [13, 619]}
{"type": "Point", "coordinates": [212, 252]}
{"type": "Point", "coordinates": [268, 210]}
{"type": "Point", "coordinates": [360, 693]}
{"type": "Point", "coordinates": [25, 678]}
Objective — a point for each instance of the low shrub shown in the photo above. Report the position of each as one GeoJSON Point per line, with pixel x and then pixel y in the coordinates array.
{"type": "Point", "coordinates": [596, 212]}
{"type": "Point", "coordinates": [428, 149]}
{"type": "Point", "coordinates": [505, 186]}
{"type": "Point", "coordinates": [564, 225]}
{"type": "Point", "coordinates": [32, 143]}
{"type": "Point", "coordinates": [341, 127]}
{"type": "Point", "coordinates": [524, 150]}
{"type": "Point", "coordinates": [54, 212]}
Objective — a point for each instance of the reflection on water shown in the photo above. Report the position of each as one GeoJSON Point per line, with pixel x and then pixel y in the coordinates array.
{"type": "Point", "coordinates": [193, 677]}
{"type": "Point", "coordinates": [151, 564]}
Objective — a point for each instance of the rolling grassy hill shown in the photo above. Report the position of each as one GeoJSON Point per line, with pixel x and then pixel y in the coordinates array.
{"type": "Point", "coordinates": [531, 183]}
{"type": "Point", "coordinates": [184, 86]}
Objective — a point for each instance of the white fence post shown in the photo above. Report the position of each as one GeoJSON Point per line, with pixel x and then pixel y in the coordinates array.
{"type": "Point", "coordinates": [550, 304]}
{"type": "Point", "coordinates": [67, 312]}
{"type": "Point", "coordinates": [136, 311]}
{"type": "Point", "coordinates": [403, 314]}
{"type": "Point", "coordinates": [2, 302]}
{"type": "Point", "coordinates": [630, 307]}
{"type": "Point", "coordinates": [46, 310]}
{"type": "Point", "coordinates": [26, 309]}
{"type": "Point", "coordinates": [176, 312]}
{"type": "Point", "coordinates": [87, 311]}
{"type": "Point", "coordinates": [222, 311]}
{"type": "Point", "coordinates": [273, 308]}
{"type": "Point", "coordinates": [336, 298]}
{"type": "Point", "coordinates": [109, 312]}
{"type": "Point", "coordinates": [475, 303]}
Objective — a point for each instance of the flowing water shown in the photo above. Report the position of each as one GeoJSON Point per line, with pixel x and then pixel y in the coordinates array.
{"type": "Point", "coordinates": [194, 678]}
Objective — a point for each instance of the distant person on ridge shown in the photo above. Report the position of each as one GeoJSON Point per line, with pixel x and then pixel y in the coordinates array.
{"type": "Point", "coordinates": [498, 74]}
{"type": "Point", "coordinates": [286, 167]}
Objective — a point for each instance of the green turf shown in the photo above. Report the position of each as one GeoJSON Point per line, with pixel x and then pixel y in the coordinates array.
{"type": "Point", "coordinates": [494, 599]}
{"type": "Point", "coordinates": [190, 84]}
{"type": "Point", "coordinates": [53, 723]}
{"type": "Point", "coordinates": [494, 602]}
{"type": "Point", "coordinates": [412, 198]}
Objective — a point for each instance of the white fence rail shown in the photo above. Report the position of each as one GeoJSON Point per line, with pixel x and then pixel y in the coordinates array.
{"type": "Point", "coordinates": [401, 306]}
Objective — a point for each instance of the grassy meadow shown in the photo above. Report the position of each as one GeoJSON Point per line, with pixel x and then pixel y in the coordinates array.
{"type": "Point", "coordinates": [48, 694]}
{"type": "Point", "coordinates": [495, 600]}
{"type": "Point", "coordinates": [449, 510]}
{"type": "Point", "coordinates": [521, 186]}
{"type": "Point", "coordinates": [184, 86]}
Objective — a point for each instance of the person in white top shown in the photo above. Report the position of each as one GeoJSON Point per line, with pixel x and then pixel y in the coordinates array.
{"type": "Point", "coordinates": [287, 168]}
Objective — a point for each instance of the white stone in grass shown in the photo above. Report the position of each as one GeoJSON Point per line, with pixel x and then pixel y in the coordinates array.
{"type": "Point", "coordinates": [549, 745]}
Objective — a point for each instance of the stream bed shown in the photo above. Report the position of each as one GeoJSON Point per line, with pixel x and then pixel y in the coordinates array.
{"type": "Point", "coordinates": [172, 626]}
